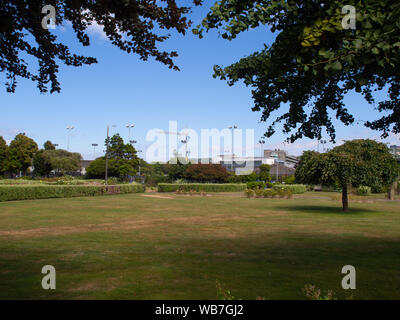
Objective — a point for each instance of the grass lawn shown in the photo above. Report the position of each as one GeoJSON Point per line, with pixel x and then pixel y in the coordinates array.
{"type": "Point", "coordinates": [166, 246]}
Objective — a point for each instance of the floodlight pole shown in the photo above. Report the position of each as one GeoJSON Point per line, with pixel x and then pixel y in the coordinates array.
{"type": "Point", "coordinates": [94, 145]}
{"type": "Point", "coordinates": [69, 128]}
{"type": "Point", "coordinates": [233, 155]}
{"type": "Point", "coordinates": [129, 126]}
{"type": "Point", "coordinates": [108, 135]}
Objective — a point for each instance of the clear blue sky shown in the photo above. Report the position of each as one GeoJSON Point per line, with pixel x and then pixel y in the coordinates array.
{"type": "Point", "coordinates": [122, 89]}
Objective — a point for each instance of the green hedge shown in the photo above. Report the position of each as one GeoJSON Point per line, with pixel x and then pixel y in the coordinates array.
{"type": "Point", "coordinates": [203, 187]}
{"type": "Point", "coordinates": [293, 188]}
{"type": "Point", "coordinates": [9, 193]}
{"type": "Point", "coordinates": [255, 185]}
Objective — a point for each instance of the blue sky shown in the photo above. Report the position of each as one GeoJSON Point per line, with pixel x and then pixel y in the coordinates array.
{"type": "Point", "coordinates": [122, 89]}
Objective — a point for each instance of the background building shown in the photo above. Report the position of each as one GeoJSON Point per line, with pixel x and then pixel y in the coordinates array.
{"type": "Point", "coordinates": [282, 164]}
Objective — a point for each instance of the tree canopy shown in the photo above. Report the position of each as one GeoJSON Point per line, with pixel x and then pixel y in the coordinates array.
{"type": "Point", "coordinates": [356, 163]}
{"type": "Point", "coordinates": [123, 160]}
{"type": "Point", "coordinates": [134, 26]}
{"type": "Point", "coordinates": [48, 145]}
{"type": "Point", "coordinates": [20, 154]}
{"type": "Point", "coordinates": [206, 173]}
{"type": "Point", "coordinates": [3, 155]}
{"type": "Point", "coordinates": [41, 163]}
{"type": "Point", "coordinates": [264, 174]}
{"type": "Point", "coordinates": [314, 62]}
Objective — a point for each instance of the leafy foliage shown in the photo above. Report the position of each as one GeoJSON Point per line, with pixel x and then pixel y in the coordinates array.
{"type": "Point", "coordinates": [10, 193]}
{"type": "Point", "coordinates": [20, 153]}
{"type": "Point", "coordinates": [48, 145]}
{"type": "Point", "coordinates": [323, 64]}
{"type": "Point", "coordinates": [3, 155]}
{"type": "Point", "coordinates": [201, 187]}
{"type": "Point", "coordinates": [134, 26]}
{"type": "Point", "coordinates": [41, 164]}
{"type": "Point", "coordinates": [255, 185]}
{"type": "Point", "coordinates": [206, 173]}
{"type": "Point", "coordinates": [356, 163]}
{"type": "Point", "coordinates": [63, 161]}
{"type": "Point", "coordinates": [123, 160]}
{"type": "Point", "coordinates": [264, 174]}
{"type": "Point", "coordinates": [293, 188]}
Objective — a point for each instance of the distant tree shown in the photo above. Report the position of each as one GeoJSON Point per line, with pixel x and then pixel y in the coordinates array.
{"type": "Point", "coordinates": [123, 160]}
{"type": "Point", "coordinates": [177, 171]}
{"type": "Point", "coordinates": [20, 154]}
{"type": "Point", "coordinates": [42, 164]}
{"type": "Point", "coordinates": [3, 155]}
{"type": "Point", "coordinates": [48, 145]}
{"type": "Point", "coordinates": [134, 26]}
{"type": "Point", "coordinates": [97, 169]}
{"type": "Point", "coordinates": [264, 174]}
{"type": "Point", "coordinates": [290, 180]}
{"type": "Point", "coordinates": [63, 161]}
{"type": "Point", "coordinates": [122, 157]}
{"type": "Point", "coordinates": [356, 163]}
{"type": "Point", "coordinates": [206, 173]}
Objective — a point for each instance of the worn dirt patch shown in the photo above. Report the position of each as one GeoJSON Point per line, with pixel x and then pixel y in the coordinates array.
{"type": "Point", "coordinates": [155, 196]}
{"type": "Point", "coordinates": [120, 225]}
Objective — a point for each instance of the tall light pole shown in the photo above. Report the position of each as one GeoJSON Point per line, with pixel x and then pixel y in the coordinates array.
{"type": "Point", "coordinates": [94, 145]}
{"type": "Point", "coordinates": [233, 132]}
{"type": "Point", "coordinates": [69, 129]}
{"type": "Point", "coordinates": [107, 143]}
{"type": "Point", "coordinates": [261, 142]}
{"type": "Point", "coordinates": [139, 151]}
{"type": "Point", "coordinates": [185, 142]}
{"type": "Point", "coordinates": [130, 126]}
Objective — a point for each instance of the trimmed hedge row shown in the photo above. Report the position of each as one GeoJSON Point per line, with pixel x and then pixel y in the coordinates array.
{"type": "Point", "coordinates": [202, 187]}
{"type": "Point", "coordinates": [293, 188]}
{"type": "Point", "coordinates": [9, 193]}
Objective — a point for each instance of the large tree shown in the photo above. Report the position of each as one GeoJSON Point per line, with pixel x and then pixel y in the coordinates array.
{"type": "Point", "coordinates": [134, 26]}
{"type": "Point", "coordinates": [63, 161]}
{"type": "Point", "coordinates": [41, 164]}
{"type": "Point", "coordinates": [315, 60]}
{"type": "Point", "coordinates": [123, 160]}
{"type": "Point", "coordinates": [3, 155]}
{"type": "Point", "coordinates": [20, 153]}
{"type": "Point", "coordinates": [356, 163]}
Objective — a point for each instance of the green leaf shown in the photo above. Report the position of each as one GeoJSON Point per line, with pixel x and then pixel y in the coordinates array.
{"type": "Point", "coordinates": [375, 50]}
{"type": "Point", "coordinates": [337, 65]}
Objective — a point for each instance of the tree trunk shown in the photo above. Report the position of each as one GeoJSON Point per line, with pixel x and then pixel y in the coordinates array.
{"type": "Point", "coordinates": [392, 190]}
{"type": "Point", "coordinates": [345, 199]}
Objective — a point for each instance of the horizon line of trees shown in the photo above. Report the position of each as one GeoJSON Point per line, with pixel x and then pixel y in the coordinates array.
{"type": "Point", "coordinates": [23, 154]}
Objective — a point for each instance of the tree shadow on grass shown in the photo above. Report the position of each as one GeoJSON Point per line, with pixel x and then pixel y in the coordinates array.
{"type": "Point", "coordinates": [328, 209]}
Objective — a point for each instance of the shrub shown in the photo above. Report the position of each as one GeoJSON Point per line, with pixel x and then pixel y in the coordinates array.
{"type": "Point", "coordinates": [282, 193]}
{"type": "Point", "coordinates": [112, 180]}
{"type": "Point", "coordinates": [269, 184]}
{"type": "Point", "coordinates": [25, 192]}
{"type": "Point", "coordinates": [290, 180]}
{"type": "Point", "coordinates": [249, 193]}
{"type": "Point", "coordinates": [270, 193]}
{"type": "Point", "coordinates": [206, 173]}
{"type": "Point", "coordinates": [293, 188]}
{"type": "Point", "coordinates": [259, 193]}
{"type": "Point", "coordinates": [205, 187]}
{"type": "Point", "coordinates": [255, 185]}
{"type": "Point", "coordinates": [363, 191]}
